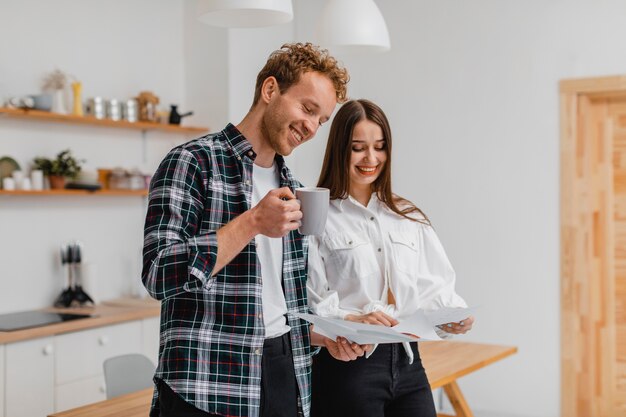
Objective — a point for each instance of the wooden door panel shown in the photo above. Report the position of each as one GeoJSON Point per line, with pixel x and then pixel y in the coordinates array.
{"type": "Point", "coordinates": [616, 349]}
{"type": "Point", "coordinates": [593, 247]}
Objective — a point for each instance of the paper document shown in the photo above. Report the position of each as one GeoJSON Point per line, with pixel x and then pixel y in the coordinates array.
{"type": "Point", "coordinates": [355, 332]}
{"type": "Point", "coordinates": [445, 315]}
{"type": "Point", "coordinates": [421, 323]}
{"type": "Point", "coordinates": [417, 324]}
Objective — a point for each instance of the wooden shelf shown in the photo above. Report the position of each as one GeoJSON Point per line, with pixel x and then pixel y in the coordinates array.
{"type": "Point", "coordinates": [92, 121]}
{"type": "Point", "coordinates": [117, 193]}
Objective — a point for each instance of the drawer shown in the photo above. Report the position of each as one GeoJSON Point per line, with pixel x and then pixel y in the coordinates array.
{"type": "Point", "coordinates": [78, 393]}
{"type": "Point", "coordinates": [80, 355]}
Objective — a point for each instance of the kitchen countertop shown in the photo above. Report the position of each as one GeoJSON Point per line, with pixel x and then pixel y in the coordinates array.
{"type": "Point", "coordinates": [107, 313]}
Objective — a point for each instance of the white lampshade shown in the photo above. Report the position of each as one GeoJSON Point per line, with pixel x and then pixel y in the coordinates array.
{"type": "Point", "coordinates": [244, 13]}
{"type": "Point", "coordinates": [353, 26]}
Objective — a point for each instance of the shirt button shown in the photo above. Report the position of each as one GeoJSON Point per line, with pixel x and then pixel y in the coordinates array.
{"type": "Point", "coordinates": [257, 351]}
{"type": "Point", "coordinates": [372, 218]}
{"type": "Point", "coordinates": [350, 243]}
{"type": "Point", "coordinates": [250, 154]}
{"type": "Point", "coordinates": [247, 182]}
{"type": "Point", "coordinates": [261, 315]}
{"type": "Point", "coordinates": [239, 157]}
{"type": "Point", "coordinates": [380, 249]}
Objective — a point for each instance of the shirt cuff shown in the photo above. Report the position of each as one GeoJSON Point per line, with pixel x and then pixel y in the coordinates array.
{"type": "Point", "coordinates": [202, 259]}
{"type": "Point", "coordinates": [329, 307]}
{"type": "Point", "coordinates": [388, 309]}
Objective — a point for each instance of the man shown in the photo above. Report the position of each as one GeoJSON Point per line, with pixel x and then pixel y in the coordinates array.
{"type": "Point", "coordinates": [223, 255]}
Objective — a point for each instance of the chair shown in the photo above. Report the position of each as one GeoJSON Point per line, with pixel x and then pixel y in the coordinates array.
{"type": "Point", "coordinates": [127, 373]}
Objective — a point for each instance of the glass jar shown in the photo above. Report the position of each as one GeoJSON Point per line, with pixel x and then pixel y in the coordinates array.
{"type": "Point", "coordinates": [119, 180]}
{"type": "Point", "coordinates": [129, 110]}
{"type": "Point", "coordinates": [136, 180]}
{"type": "Point", "coordinates": [96, 107]}
{"type": "Point", "coordinates": [114, 109]}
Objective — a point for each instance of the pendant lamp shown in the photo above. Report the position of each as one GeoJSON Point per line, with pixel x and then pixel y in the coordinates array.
{"type": "Point", "coordinates": [352, 26]}
{"type": "Point", "coordinates": [244, 13]}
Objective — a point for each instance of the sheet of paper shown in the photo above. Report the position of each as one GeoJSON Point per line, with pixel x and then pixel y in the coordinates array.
{"type": "Point", "coordinates": [421, 323]}
{"type": "Point", "coordinates": [355, 332]}
{"type": "Point", "coordinates": [417, 324]}
{"type": "Point", "coordinates": [449, 315]}
{"type": "Point", "coordinates": [328, 328]}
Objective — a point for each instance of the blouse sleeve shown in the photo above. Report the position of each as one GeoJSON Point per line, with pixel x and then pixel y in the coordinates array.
{"type": "Point", "coordinates": [436, 277]}
{"type": "Point", "coordinates": [436, 280]}
{"type": "Point", "coordinates": [322, 300]}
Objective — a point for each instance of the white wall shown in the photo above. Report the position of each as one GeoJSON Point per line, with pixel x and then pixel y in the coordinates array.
{"type": "Point", "coordinates": [248, 52]}
{"type": "Point", "coordinates": [205, 70]}
{"type": "Point", "coordinates": [116, 49]}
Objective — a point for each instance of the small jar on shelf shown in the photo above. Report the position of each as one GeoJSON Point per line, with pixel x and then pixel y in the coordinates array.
{"type": "Point", "coordinates": [119, 179]}
{"type": "Point", "coordinates": [136, 180]}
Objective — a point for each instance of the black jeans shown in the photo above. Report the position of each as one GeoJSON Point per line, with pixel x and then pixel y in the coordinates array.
{"type": "Point", "coordinates": [279, 389]}
{"type": "Point", "coordinates": [383, 385]}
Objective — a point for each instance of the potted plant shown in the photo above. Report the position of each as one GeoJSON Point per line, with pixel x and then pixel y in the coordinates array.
{"type": "Point", "coordinates": [59, 169]}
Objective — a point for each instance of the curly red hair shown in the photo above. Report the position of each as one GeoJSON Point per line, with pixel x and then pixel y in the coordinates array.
{"type": "Point", "coordinates": [294, 59]}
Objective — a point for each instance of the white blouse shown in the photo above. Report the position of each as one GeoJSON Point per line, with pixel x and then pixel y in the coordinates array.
{"type": "Point", "coordinates": [366, 250]}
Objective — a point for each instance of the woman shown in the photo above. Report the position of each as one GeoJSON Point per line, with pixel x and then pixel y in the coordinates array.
{"type": "Point", "coordinates": [378, 259]}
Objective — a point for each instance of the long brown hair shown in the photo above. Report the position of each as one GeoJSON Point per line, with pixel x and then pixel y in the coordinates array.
{"type": "Point", "coordinates": [335, 174]}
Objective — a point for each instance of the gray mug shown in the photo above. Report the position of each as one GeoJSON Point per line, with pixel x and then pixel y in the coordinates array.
{"type": "Point", "coordinates": [314, 203]}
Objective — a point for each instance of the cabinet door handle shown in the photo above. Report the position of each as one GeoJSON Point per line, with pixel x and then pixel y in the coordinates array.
{"type": "Point", "coordinates": [48, 350]}
{"type": "Point", "coordinates": [103, 340]}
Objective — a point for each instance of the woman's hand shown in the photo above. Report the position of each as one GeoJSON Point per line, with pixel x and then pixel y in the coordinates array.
{"type": "Point", "coordinates": [345, 351]}
{"type": "Point", "coordinates": [461, 327]}
{"type": "Point", "coordinates": [341, 349]}
{"type": "Point", "coordinates": [376, 317]}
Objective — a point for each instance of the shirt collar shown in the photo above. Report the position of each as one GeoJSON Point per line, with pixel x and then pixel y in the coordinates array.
{"type": "Point", "coordinates": [242, 148]}
{"type": "Point", "coordinates": [238, 142]}
{"type": "Point", "coordinates": [340, 203]}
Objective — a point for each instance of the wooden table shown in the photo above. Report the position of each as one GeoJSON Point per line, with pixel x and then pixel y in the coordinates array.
{"type": "Point", "coordinates": [445, 362]}
{"type": "Point", "coordinates": [136, 404]}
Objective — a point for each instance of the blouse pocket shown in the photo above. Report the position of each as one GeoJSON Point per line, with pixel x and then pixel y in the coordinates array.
{"type": "Point", "coordinates": [351, 256]}
{"type": "Point", "coordinates": [405, 250]}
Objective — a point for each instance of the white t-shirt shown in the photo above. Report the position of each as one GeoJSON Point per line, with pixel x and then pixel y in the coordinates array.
{"type": "Point", "coordinates": [270, 253]}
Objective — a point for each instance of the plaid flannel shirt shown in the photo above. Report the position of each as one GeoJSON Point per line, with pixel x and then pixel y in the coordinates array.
{"type": "Point", "coordinates": [212, 330]}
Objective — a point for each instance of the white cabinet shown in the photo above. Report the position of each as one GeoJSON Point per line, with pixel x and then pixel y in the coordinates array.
{"type": "Point", "coordinates": [151, 330]}
{"type": "Point", "coordinates": [79, 377]}
{"type": "Point", "coordinates": [52, 374]}
{"type": "Point", "coordinates": [80, 355]}
{"type": "Point", "coordinates": [29, 378]}
{"type": "Point", "coordinates": [1, 380]}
